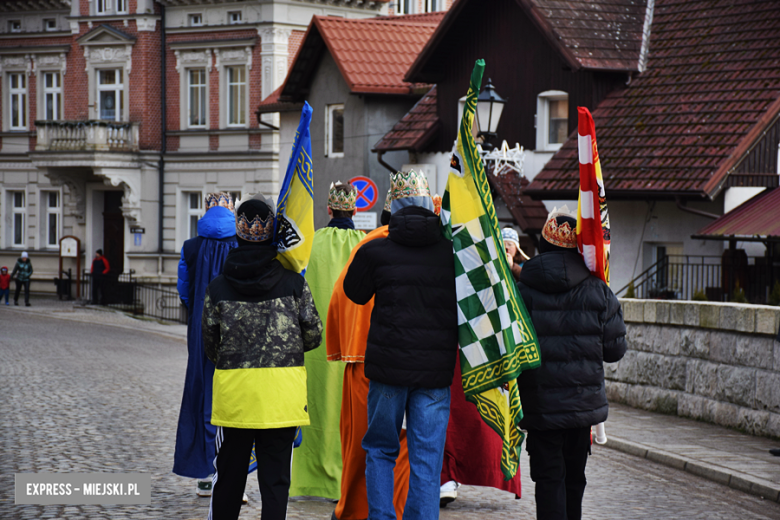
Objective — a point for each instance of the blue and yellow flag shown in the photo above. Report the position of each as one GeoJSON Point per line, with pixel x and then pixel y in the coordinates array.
{"type": "Point", "coordinates": [294, 227]}
{"type": "Point", "coordinates": [496, 337]}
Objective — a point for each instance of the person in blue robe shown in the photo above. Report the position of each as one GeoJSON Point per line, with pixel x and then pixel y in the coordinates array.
{"type": "Point", "coordinates": [201, 261]}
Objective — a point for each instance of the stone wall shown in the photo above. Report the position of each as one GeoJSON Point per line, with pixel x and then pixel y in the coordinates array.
{"type": "Point", "coordinates": [716, 362]}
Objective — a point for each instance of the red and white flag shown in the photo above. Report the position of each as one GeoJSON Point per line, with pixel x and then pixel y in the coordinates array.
{"type": "Point", "coordinates": [592, 216]}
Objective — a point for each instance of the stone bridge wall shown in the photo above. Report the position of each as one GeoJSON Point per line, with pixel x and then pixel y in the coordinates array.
{"type": "Point", "coordinates": [716, 362]}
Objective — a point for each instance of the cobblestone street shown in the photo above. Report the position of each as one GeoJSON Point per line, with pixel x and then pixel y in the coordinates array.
{"type": "Point", "coordinates": [86, 396]}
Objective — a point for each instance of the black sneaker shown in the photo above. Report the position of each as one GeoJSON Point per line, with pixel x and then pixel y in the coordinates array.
{"type": "Point", "coordinates": [775, 452]}
{"type": "Point", "coordinates": [27, 305]}
{"type": "Point", "coordinates": [16, 302]}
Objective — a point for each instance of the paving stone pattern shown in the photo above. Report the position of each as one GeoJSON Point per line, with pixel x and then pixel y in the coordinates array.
{"type": "Point", "coordinates": [102, 394]}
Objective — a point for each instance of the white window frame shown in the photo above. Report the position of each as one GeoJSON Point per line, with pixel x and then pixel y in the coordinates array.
{"type": "Point", "coordinates": [121, 6]}
{"type": "Point", "coordinates": [21, 94]}
{"type": "Point", "coordinates": [432, 6]}
{"type": "Point", "coordinates": [192, 212]}
{"type": "Point", "coordinates": [14, 26]}
{"type": "Point", "coordinates": [13, 212]}
{"type": "Point", "coordinates": [117, 88]}
{"type": "Point", "coordinates": [401, 9]}
{"type": "Point", "coordinates": [242, 100]}
{"type": "Point", "coordinates": [51, 28]}
{"type": "Point", "coordinates": [543, 143]}
{"type": "Point", "coordinates": [102, 7]}
{"type": "Point", "coordinates": [329, 109]}
{"type": "Point", "coordinates": [204, 88]}
{"type": "Point", "coordinates": [47, 212]}
{"type": "Point", "coordinates": [195, 20]}
{"type": "Point", "coordinates": [56, 92]}
{"type": "Point", "coordinates": [235, 17]}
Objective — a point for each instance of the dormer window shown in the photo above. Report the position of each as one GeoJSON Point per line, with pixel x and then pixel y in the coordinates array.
{"type": "Point", "coordinates": [234, 17]}
{"type": "Point", "coordinates": [15, 26]}
{"type": "Point", "coordinates": [552, 120]}
{"type": "Point", "coordinates": [50, 25]}
{"type": "Point", "coordinates": [196, 20]}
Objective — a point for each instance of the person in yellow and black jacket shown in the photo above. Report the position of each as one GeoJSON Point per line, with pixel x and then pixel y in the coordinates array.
{"type": "Point", "coordinates": [258, 320]}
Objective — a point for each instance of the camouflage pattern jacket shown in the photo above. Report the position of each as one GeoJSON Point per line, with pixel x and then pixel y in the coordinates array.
{"type": "Point", "coordinates": [258, 320]}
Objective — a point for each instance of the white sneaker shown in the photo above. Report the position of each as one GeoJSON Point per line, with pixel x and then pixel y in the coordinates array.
{"type": "Point", "coordinates": [245, 499]}
{"type": "Point", "coordinates": [204, 487]}
{"type": "Point", "coordinates": [448, 493]}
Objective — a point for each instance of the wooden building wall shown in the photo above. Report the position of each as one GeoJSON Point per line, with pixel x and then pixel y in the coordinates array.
{"type": "Point", "coordinates": [520, 61]}
{"type": "Point", "coordinates": [762, 159]}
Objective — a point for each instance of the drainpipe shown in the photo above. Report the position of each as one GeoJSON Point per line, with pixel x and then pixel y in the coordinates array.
{"type": "Point", "coordinates": [383, 163]}
{"type": "Point", "coordinates": [163, 144]}
{"type": "Point", "coordinates": [686, 209]}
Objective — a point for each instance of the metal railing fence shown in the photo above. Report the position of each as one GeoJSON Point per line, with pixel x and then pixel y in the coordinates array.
{"type": "Point", "coordinates": [125, 293]}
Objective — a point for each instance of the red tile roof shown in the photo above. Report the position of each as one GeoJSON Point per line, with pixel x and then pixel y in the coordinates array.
{"type": "Point", "coordinates": [272, 104]}
{"type": "Point", "coordinates": [755, 219]}
{"type": "Point", "coordinates": [434, 17]}
{"type": "Point", "coordinates": [589, 34]}
{"type": "Point", "coordinates": [595, 34]}
{"type": "Point", "coordinates": [711, 88]}
{"type": "Point", "coordinates": [372, 54]}
{"type": "Point", "coordinates": [415, 129]}
{"type": "Point", "coordinates": [509, 184]}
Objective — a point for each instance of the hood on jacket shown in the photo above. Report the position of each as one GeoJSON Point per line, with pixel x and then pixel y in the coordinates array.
{"type": "Point", "coordinates": [415, 226]}
{"type": "Point", "coordinates": [4, 268]}
{"type": "Point", "coordinates": [252, 269]}
{"type": "Point", "coordinates": [554, 272]}
{"type": "Point", "coordinates": [218, 222]}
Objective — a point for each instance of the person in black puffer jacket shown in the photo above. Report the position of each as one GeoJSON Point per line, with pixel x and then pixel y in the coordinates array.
{"type": "Point", "coordinates": [411, 348]}
{"type": "Point", "coordinates": [579, 323]}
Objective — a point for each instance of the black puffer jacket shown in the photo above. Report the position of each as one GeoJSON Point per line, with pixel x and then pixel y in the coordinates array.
{"type": "Point", "coordinates": [413, 338]}
{"type": "Point", "coordinates": [579, 323]}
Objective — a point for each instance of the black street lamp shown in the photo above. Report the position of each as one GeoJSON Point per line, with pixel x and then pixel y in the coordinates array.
{"type": "Point", "coordinates": [489, 108]}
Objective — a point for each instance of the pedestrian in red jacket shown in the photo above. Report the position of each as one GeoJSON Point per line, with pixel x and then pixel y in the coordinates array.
{"type": "Point", "coordinates": [5, 283]}
{"type": "Point", "coordinates": [99, 269]}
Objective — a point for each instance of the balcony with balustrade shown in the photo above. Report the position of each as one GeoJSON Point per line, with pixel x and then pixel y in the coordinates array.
{"type": "Point", "coordinates": [87, 136]}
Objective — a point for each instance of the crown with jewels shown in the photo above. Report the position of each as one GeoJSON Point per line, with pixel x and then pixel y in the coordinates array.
{"type": "Point", "coordinates": [256, 230]}
{"type": "Point", "coordinates": [560, 232]}
{"type": "Point", "coordinates": [219, 199]}
{"type": "Point", "coordinates": [437, 204]}
{"type": "Point", "coordinates": [409, 184]}
{"type": "Point", "coordinates": [388, 200]}
{"type": "Point", "coordinates": [341, 198]}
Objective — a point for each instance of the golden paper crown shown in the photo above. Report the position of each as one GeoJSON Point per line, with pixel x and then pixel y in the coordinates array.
{"type": "Point", "coordinates": [257, 230]}
{"type": "Point", "coordinates": [219, 199]}
{"type": "Point", "coordinates": [341, 198]}
{"type": "Point", "coordinates": [388, 200]}
{"type": "Point", "coordinates": [437, 204]}
{"type": "Point", "coordinates": [560, 234]}
{"type": "Point", "coordinates": [409, 184]}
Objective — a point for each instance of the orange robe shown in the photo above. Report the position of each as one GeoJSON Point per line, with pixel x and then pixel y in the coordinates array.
{"type": "Point", "coordinates": [346, 336]}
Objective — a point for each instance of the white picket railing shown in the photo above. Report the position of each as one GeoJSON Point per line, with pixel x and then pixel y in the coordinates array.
{"type": "Point", "coordinates": [86, 136]}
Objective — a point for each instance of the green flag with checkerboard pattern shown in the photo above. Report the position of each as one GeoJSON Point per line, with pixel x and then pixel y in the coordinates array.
{"type": "Point", "coordinates": [497, 340]}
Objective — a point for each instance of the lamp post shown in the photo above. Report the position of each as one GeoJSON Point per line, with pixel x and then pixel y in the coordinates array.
{"type": "Point", "coordinates": [489, 107]}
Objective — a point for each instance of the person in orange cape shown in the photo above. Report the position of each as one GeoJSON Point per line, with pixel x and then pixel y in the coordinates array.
{"type": "Point", "coordinates": [346, 335]}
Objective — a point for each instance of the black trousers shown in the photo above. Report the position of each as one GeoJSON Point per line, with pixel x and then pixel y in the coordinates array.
{"type": "Point", "coordinates": [558, 459]}
{"type": "Point", "coordinates": [97, 289]}
{"type": "Point", "coordinates": [234, 447]}
{"type": "Point", "coordinates": [19, 286]}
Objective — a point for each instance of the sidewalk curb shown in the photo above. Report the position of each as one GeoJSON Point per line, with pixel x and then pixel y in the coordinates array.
{"type": "Point", "coordinates": [117, 325]}
{"type": "Point", "coordinates": [733, 479]}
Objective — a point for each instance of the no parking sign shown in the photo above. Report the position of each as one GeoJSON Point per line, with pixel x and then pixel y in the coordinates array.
{"type": "Point", "coordinates": [367, 192]}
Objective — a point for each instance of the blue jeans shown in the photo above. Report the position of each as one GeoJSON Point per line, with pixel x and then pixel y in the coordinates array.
{"type": "Point", "coordinates": [427, 414]}
{"type": "Point", "coordinates": [5, 293]}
